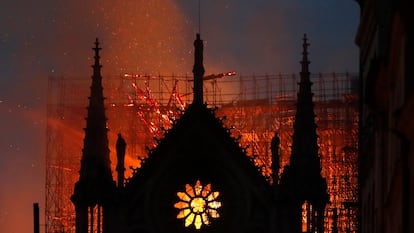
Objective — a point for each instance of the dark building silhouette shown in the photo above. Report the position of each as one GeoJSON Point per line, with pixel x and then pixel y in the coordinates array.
{"type": "Point", "coordinates": [386, 159]}
{"type": "Point", "coordinates": [198, 178]}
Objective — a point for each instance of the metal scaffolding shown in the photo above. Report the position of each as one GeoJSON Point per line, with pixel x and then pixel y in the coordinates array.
{"type": "Point", "coordinates": [142, 107]}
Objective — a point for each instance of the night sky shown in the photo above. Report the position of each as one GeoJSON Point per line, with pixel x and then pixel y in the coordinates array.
{"type": "Point", "coordinates": [46, 38]}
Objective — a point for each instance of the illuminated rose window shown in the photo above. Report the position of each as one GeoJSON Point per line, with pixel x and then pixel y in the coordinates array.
{"type": "Point", "coordinates": [197, 205]}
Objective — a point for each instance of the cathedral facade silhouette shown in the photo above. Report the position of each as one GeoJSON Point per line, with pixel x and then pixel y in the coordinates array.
{"type": "Point", "coordinates": [198, 178]}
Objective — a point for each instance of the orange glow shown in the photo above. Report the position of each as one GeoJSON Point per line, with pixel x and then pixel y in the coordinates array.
{"type": "Point", "coordinates": [306, 215]}
{"type": "Point", "coordinates": [135, 27]}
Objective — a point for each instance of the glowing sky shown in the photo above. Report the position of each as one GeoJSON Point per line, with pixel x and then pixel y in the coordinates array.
{"type": "Point", "coordinates": [53, 37]}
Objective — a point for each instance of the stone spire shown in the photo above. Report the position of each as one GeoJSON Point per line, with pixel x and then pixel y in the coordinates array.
{"type": "Point", "coordinates": [95, 186]}
{"type": "Point", "coordinates": [95, 162]}
{"type": "Point", "coordinates": [302, 182]}
{"type": "Point", "coordinates": [198, 71]}
{"type": "Point", "coordinates": [305, 145]}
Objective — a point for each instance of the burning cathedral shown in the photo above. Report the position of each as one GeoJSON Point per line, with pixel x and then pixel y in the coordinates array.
{"type": "Point", "coordinates": [198, 178]}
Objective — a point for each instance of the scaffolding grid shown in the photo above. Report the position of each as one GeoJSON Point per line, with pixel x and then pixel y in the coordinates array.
{"type": "Point", "coordinates": [142, 107]}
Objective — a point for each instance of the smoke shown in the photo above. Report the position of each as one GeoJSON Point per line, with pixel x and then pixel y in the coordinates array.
{"type": "Point", "coordinates": [136, 36]}
{"type": "Point", "coordinates": [46, 38]}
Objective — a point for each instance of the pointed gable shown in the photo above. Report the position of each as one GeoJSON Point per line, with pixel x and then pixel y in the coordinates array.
{"type": "Point", "coordinates": [197, 150]}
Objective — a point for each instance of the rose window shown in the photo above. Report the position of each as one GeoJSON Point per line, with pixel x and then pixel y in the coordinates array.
{"type": "Point", "coordinates": [197, 205]}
